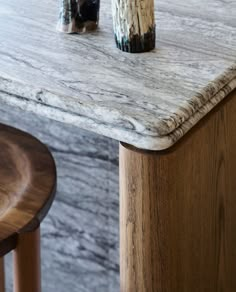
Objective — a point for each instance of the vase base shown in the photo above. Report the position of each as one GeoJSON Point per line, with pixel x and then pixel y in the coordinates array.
{"type": "Point", "coordinates": [87, 26]}
{"type": "Point", "coordinates": [138, 44]}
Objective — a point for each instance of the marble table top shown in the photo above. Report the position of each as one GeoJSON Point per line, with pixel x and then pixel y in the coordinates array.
{"type": "Point", "coordinates": [148, 100]}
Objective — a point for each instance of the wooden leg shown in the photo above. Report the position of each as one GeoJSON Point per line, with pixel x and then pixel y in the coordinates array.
{"type": "Point", "coordinates": [27, 268]}
{"type": "Point", "coordinates": [2, 275]}
{"type": "Point", "coordinates": [178, 211]}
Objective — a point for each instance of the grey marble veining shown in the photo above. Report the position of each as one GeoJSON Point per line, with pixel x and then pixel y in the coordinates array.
{"type": "Point", "coordinates": [148, 100]}
{"type": "Point", "coordinates": [80, 235]}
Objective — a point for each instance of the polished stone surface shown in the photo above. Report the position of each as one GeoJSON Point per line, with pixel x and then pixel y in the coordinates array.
{"type": "Point", "coordinates": [148, 100]}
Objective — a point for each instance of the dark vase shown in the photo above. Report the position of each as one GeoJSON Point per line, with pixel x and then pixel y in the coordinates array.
{"type": "Point", "coordinates": [78, 16]}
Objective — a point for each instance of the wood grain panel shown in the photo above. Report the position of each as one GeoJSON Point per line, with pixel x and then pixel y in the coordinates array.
{"type": "Point", "coordinates": [178, 211]}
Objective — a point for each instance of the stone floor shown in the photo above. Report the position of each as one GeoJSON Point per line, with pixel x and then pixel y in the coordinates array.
{"type": "Point", "coordinates": [80, 234]}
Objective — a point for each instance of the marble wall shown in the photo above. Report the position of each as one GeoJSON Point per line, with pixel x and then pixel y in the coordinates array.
{"type": "Point", "coordinates": [80, 234]}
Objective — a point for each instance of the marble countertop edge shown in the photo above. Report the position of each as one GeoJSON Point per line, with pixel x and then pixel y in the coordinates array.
{"type": "Point", "coordinates": [198, 100]}
{"type": "Point", "coordinates": [147, 100]}
{"type": "Point", "coordinates": [147, 142]}
{"type": "Point", "coordinates": [143, 123]}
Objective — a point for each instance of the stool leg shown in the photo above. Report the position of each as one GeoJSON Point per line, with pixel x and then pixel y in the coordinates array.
{"type": "Point", "coordinates": [27, 267]}
{"type": "Point", "coordinates": [2, 275]}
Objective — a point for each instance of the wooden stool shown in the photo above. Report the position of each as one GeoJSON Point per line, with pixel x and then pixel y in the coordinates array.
{"type": "Point", "coordinates": [27, 188]}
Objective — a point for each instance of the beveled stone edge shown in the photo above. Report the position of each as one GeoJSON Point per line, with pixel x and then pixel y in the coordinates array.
{"type": "Point", "coordinates": [138, 44]}
{"type": "Point", "coordinates": [142, 141]}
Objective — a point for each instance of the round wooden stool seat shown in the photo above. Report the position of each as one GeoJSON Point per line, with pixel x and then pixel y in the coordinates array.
{"type": "Point", "coordinates": [27, 184]}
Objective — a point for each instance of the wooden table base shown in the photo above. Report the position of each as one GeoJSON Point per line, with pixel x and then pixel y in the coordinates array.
{"type": "Point", "coordinates": [178, 211]}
